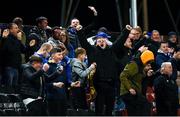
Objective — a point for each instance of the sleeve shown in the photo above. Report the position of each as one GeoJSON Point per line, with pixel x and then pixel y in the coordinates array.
{"type": "Point", "coordinates": [51, 74]}
{"type": "Point", "coordinates": [77, 67]}
{"type": "Point", "coordinates": [130, 70]}
{"type": "Point", "coordinates": [83, 33]}
{"type": "Point", "coordinates": [28, 73]}
{"type": "Point", "coordinates": [118, 45]}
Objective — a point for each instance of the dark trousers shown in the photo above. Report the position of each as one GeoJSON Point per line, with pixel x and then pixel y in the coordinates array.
{"type": "Point", "coordinates": [37, 108]}
{"type": "Point", "coordinates": [136, 105]}
{"type": "Point", "coordinates": [166, 108]}
{"type": "Point", "coordinates": [79, 98]}
{"type": "Point", "coordinates": [104, 101]}
{"type": "Point", "coordinates": [10, 76]}
{"type": "Point", "coordinates": [57, 107]}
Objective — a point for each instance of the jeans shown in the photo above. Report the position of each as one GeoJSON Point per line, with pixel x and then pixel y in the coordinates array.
{"type": "Point", "coordinates": [10, 77]}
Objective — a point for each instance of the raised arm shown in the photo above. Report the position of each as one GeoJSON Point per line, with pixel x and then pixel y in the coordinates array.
{"type": "Point", "coordinates": [82, 33]}
{"type": "Point", "coordinates": [118, 45]}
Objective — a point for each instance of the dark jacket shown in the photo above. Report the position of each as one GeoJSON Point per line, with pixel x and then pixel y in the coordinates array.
{"type": "Point", "coordinates": [175, 66]}
{"type": "Point", "coordinates": [11, 52]}
{"type": "Point", "coordinates": [54, 92]}
{"type": "Point", "coordinates": [74, 40]}
{"type": "Point", "coordinates": [131, 77]}
{"type": "Point", "coordinates": [166, 92]}
{"type": "Point", "coordinates": [33, 82]}
{"type": "Point", "coordinates": [31, 86]}
{"type": "Point", "coordinates": [105, 59]}
{"type": "Point", "coordinates": [160, 58]}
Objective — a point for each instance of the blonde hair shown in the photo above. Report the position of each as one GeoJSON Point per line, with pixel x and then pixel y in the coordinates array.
{"type": "Point", "coordinates": [46, 46]}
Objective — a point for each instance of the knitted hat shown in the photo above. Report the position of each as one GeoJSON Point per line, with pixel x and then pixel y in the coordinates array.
{"type": "Point", "coordinates": [147, 56]}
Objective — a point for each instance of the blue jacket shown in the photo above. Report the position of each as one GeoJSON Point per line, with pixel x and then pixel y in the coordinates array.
{"type": "Point", "coordinates": [160, 58]}
{"type": "Point", "coordinates": [54, 92]}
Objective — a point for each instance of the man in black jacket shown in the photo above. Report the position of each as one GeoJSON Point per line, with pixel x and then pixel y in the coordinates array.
{"type": "Point", "coordinates": [11, 49]}
{"type": "Point", "coordinates": [32, 85]}
{"type": "Point", "coordinates": [107, 71]}
{"type": "Point", "coordinates": [34, 79]}
{"type": "Point", "coordinates": [166, 92]}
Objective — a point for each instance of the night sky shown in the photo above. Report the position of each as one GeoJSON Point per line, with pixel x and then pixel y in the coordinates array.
{"type": "Point", "coordinates": [29, 10]}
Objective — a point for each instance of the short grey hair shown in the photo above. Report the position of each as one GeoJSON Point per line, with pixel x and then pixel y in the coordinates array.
{"type": "Point", "coordinates": [164, 64]}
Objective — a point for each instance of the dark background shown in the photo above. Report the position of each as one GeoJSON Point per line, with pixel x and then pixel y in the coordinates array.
{"type": "Point", "coordinates": [30, 9]}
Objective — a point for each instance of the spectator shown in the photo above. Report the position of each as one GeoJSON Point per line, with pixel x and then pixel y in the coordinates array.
{"type": "Point", "coordinates": [92, 39]}
{"type": "Point", "coordinates": [11, 55]}
{"type": "Point", "coordinates": [163, 54]}
{"type": "Point", "coordinates": [72, 31]}
{"type": "Point", "coordinates": [172, 40]}
{"type": "Point", "coordinates": [166, 92]}
{"type": "Point", "coordinates": [75, 26]}
{"type": "Point", "coordinates": [65, 40]}
{"type": "Point", "coordinates": [22, 35]}
{"type": "Point", "coordinates": [56, 93]}
{"type": "Point", "coordinates": [152, 42]}
{"type": "Point", "coordinates": [32, 87]}
{"type": "Point", "coordinates": [79, 79]}
{"type": "Point", "coordinates": [40, 29]}
{"type": "Point", "coordinates": [54, 40]}
{"type": "Point", "coordinates": [105, 77]}
{"type": "Point", "coordinates": [131, 84]}
{"type": "Point", "coordinates": [44, 52]}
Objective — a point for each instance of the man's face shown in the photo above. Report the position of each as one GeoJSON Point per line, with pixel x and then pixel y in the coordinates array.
{"type": "Point", "coordinates": [147, 67]}
{"type": "Point", "coordinates": [168, 69]}
{"type": "Point", "coordinates": [156, 36]}
{"type": "Point", "coordinates": [101, 42]}
{"type": "Point", "coordinates": [57, 57]}
{"type": "Point", "coordinates": [37, 65]}
{"type": "Point", "coordinates": [134, 34]}
{"type": "Point", "coordinates": [14, 29]}
{"type": "Point", "coordinates": [43, 24]}
{"type": "Point", "coordinates": [173, 38]}
{"type": "Point", "coordinates": [164, 47]}
{"type": "Point", "coordinates": [74, 23]}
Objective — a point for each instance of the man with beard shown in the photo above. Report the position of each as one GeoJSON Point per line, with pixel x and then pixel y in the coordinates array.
{"type": "Point", "coordinates": [131, 84]}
